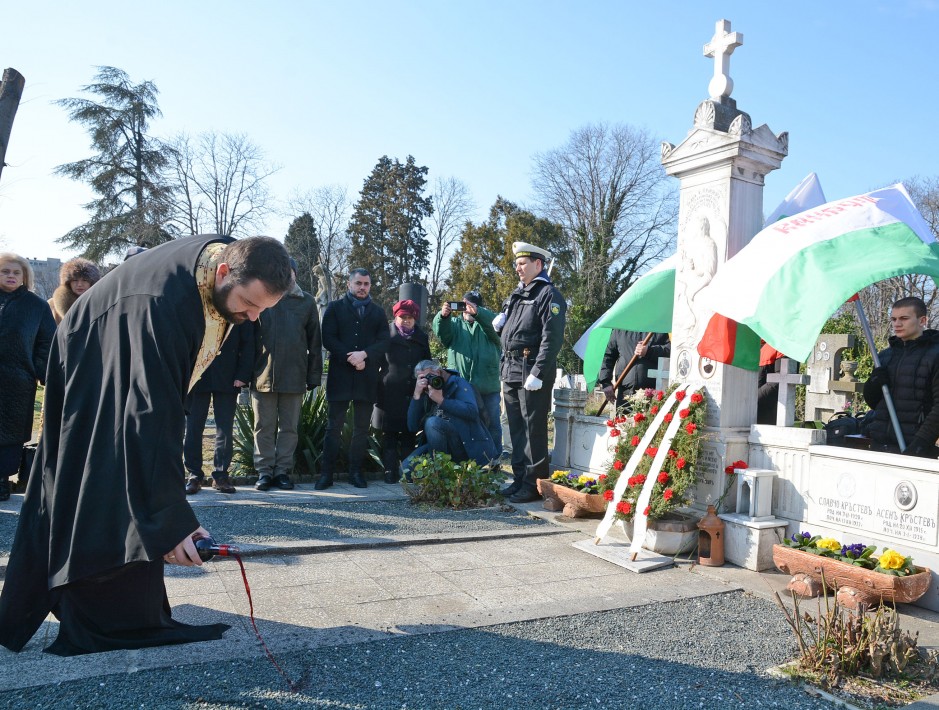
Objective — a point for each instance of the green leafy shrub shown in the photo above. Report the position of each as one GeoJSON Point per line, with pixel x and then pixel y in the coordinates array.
{"type": "Point", "coordinates": [439, 480]}
{"type": "Point", "coordinates": [311, 434]}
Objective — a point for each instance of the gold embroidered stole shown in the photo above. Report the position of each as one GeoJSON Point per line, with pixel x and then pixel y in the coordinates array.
{"type": "Point", "coordinates": [216, 327]}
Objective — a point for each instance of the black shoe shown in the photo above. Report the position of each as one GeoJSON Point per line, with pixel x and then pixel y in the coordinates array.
{"type": "Point", "coordinates": [392, 476]}
{"type": "Point", "coordinates": [283, 482]}
{"type": "Point", "coordinates": [4, 489]}
{"type": "Point", "coordinates": [222, 483]}
{"type": "Point", "coordinates": [264, 483]}
{"type": "Point", "coordinates": [326, 480]}
{"type": "Point", "coordinates": [357, 480]}
{"type": "Point", "coordinates": [511, 490]}
{"type": "Point", "coordinates": [193, 485]}
{"type": "Point", "coordinates": [525, 495]}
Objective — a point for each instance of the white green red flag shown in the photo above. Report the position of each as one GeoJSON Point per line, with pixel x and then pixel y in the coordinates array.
{"type": "Point", "coordinates": [798, 271]}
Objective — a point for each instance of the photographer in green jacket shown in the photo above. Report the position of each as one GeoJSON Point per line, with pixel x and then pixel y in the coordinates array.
{"type": "Point", "coordinates": [473, 350]}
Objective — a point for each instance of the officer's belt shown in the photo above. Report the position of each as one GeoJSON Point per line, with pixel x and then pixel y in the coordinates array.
{"type": "Point", "coordinates": [521, 352]}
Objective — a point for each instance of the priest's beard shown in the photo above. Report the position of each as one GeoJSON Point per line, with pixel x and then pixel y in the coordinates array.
{"type": "Point", "coordinates": [220, 297]}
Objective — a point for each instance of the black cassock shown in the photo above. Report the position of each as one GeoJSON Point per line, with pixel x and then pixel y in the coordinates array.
{"type": "Point", "coordinates": [106, 497]}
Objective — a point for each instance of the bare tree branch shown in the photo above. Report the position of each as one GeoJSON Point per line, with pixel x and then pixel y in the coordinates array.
{"type": "Point", "coordinates": [453, 206]}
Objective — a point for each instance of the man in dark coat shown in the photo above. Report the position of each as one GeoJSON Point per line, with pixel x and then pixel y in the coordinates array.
{"type": "Point", "coordinates": [106, 505]}
{"type": "Point", "coordinates": [355, 334]}
{"type": "Point", "coordinates": [407, 347]}
{"type": "Point", "coordinates": [623, 345]}
{"type": "Point", "coordinates": [289, 363]}
{"type": "Point", "coordinates": [532, 328]}
{"type": "Point", "coordinates": [219, 385]}
{"type": "Point", "coordinates": [910, 368]}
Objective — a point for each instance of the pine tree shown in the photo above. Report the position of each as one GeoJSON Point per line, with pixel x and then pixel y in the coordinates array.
{"type": "Point", "coordinates": [386, 229]}
{"type": "Point", "coordinates": [303, 244]}
{"type": "Point", "coordinates": [126, 170]}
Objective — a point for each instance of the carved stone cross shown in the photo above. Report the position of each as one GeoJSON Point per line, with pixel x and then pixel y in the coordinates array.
{"type": "Point", "coordinates": [721, 46]}
{"type": "Point", "coordinates": [788, 378]}
{"type": "Point", "coordinates": [661, 374]}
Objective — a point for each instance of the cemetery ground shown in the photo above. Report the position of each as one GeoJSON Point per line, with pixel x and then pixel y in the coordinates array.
{"type": "Point", "coordinates": [369, 602]}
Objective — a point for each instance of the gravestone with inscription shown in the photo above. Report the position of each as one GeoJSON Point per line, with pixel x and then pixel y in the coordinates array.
{"type": "Point", "coordinates": [721, 166]}
{"type": "Point", "coordinates": [824, 366]}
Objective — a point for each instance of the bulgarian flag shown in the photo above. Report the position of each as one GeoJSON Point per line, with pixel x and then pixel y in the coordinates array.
{"type": "Point", "coordinates": [729, 342]}
{"type": "Point", "coordinates": [645, 306]}
{"type": "Point", "coordinates": [798, 271]}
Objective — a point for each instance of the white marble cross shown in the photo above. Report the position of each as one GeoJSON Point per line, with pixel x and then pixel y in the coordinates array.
{"type": "Point", "coordinates": [788, 378]}
{"type": "Point", "coordinates": [661, 374]}
{"type": "Point", "coordinates": [721, 46]}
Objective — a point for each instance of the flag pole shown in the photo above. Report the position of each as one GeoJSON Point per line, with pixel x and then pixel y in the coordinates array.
{"type": "Point", "coordinates": [888, 400]}
{"type": "Point", "coordinates": [619, 380]}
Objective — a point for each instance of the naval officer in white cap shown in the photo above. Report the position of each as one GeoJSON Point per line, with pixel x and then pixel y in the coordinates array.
{"type": "Point", "coordinates": [531, 326]}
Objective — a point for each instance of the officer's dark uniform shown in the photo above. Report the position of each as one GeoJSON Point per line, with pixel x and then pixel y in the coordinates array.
{"type": "Point", "coordinates": [531, 339]}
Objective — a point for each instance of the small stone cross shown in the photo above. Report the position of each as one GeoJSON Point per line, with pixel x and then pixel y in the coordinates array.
{"type": "Point", "coordinates": [661, 374]}
{"type": "Point", "coordinates": [788, 378]}
{"type": "Point", "coordinates": [721, 46]}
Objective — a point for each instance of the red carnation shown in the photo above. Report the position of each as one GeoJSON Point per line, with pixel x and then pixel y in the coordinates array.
{"type": "Point", "coordinates": [621, 419]}
{"type": "Point", "coordinates": [680, 464]}
{"type": "Point", "coordinates": [662, 477]}
{"type": "Point", "coordinates": [672, 453]}
{"type": "Point", "coordinates": [684, 413]}
{"type": "Point", "coordinates": [601, 477]}
{"type": "Point", "coordinates": [607, 495]}
{"type": "Point", "coordinates": [659, 395]}
{"type": "Point", "coordinates": [667, 494]}
{"type": "Point", "coordinates": [640, 479]}
{"type": "Point", "coordinates": [615, 432]}
{"type": "Point", "coordinates": [638, 417]}
{"type": "Point", "coordinates": [646, 511]}
{"type": "Point", "coordinates": [680, 395]}
{"type": "Point", "coordinates": [691, 427]}
{"type": "Point", "coordinates": [624, 507]}
{"type": "Point", "coordinates": [729, 470]}
{"type": "Point", "coordinates": [697, 398]}
{"type": "Point", "coordinates": [610, 422]}
{"type": "Point", "coordinates": [634, 441]}
{"type": "Point", "coordinates": [619, 465]}
{"type": "Point", "coordinates": [652, 451]}
{"type": "Point", "coordinates": [654, 409]}
{"type": "Point", "coordinates": [740, 464]}
{"type": "Point", "coordinates": [668, 417]}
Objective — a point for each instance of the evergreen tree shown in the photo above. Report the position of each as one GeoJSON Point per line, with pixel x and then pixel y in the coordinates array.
{"type": "Point", "coordinates": [303, 244]}
{"type": "Point", "coordinates": [386, 229]}
{"type": "Point", "coordinates": [125, 172]}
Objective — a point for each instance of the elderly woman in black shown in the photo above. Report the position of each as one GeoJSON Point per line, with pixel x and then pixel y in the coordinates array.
{"type": "Point", "coordinates": [26, 331]}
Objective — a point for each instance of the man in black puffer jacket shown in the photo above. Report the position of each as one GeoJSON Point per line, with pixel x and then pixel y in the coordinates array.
{"type": "Point", "coordinates": [910, 368]}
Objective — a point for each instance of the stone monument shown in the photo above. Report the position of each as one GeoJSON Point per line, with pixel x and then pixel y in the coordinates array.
{"type": "Point", "coordinates": [721, 166]}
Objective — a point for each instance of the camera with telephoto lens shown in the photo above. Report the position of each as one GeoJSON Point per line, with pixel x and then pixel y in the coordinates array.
{"type": "Point", "coordinates": [435, 381]}
{"type": "Point", "coordinates": [457, 305]}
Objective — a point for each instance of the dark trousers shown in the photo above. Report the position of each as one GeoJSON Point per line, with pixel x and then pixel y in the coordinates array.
{"type": "Point", "coordinates": [361, 417]}
{"type": "Point", "coordinates": [443, 436]}
{"type": "Point", "coordinates": [225, 404]}
{"type": "Point", "coordinates": [395, 446]}
{"type": "Point", "coordinates": [527, 413]}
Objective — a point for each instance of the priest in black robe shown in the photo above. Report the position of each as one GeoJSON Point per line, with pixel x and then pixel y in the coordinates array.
{"type": "Point", "coordinates": [106, 504]}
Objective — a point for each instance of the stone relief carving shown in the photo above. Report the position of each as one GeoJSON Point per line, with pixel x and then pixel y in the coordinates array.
{"type": "Point", "coordinates": [704, 115]}
{"type": "Point", "coordinates": [783, 139]}
{"type": "Point", "coordinates": [741, 125]}
{"type": "Point", "coordinates": [667, 148]}
{"type": "Point", "coordinates": [698, 261]}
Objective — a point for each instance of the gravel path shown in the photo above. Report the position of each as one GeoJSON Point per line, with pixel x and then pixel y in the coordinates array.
{"type": "Point", "coordinates": [709, 652]}
{"type": "Point", "coordinates": [285, 522]}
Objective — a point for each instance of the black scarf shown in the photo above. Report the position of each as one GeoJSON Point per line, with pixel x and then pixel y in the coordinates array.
{"type": "Point", "coordinates": [359, 304]}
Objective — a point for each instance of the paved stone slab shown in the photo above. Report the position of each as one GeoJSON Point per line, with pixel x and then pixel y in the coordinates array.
{"type": "Point", "coordinates": [619, 554]}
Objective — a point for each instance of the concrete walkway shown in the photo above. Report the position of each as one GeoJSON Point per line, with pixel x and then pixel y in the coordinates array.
{"type": "Point", "coordinates": [325, 592]}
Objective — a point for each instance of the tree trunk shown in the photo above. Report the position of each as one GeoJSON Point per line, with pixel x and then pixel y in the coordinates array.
{"type": "Point", "coordinates": [11, 90]}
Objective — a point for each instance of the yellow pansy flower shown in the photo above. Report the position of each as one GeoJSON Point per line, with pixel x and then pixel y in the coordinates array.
{"type": "Point", "coordinates": [891, 559]}
{"type": "Point", "coordinates": [829, 543]}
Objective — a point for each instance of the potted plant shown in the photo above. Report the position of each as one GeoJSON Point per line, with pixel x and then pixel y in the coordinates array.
{"type": "Point", "coordinates": [861, 577]}
{"type": "Point", "coordinates": [576, 495]}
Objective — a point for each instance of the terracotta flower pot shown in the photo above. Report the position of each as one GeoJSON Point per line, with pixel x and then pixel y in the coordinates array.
{"type": "Point", "coordinates": [571, 503]}
{"type": "Point", "coordinates": [856, 587]}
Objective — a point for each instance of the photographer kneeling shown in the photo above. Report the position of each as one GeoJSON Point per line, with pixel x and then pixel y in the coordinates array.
{"type": "Point", "coordinates": [447, 407]}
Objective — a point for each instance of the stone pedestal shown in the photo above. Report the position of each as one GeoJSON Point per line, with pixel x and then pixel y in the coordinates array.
{"type": "Point", "coordinates": [824, 368]}
{"type": "Point", "coordinates": [567, 404]}
{"type": "Point", "coordinates": [755, 493]}
{"type": "Point", "coordinates": [749, 543]}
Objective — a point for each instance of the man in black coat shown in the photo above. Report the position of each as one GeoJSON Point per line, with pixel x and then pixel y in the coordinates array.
{"type": "Point", "coordinates": [219, 385]}
{"type": "Point", "coordinates": [910, 368]}
{"type": "Point", "coordinates": [106, 505]}
{"type": "Point", "coordinates": [532, 328]}
{"type": "Point", "coordinates": [355, 334]}
{"type": "Point", "coordinates": [623, 345]}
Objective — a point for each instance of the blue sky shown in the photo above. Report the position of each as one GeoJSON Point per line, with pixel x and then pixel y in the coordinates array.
{"type": "Point", "coordinates": [472, 89]}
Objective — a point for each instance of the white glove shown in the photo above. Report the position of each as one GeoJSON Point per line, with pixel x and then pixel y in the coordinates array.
{"type": "Point", "coordinates": [532, 384]}
{"type": "Point", "coordinates": [498, 322]}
